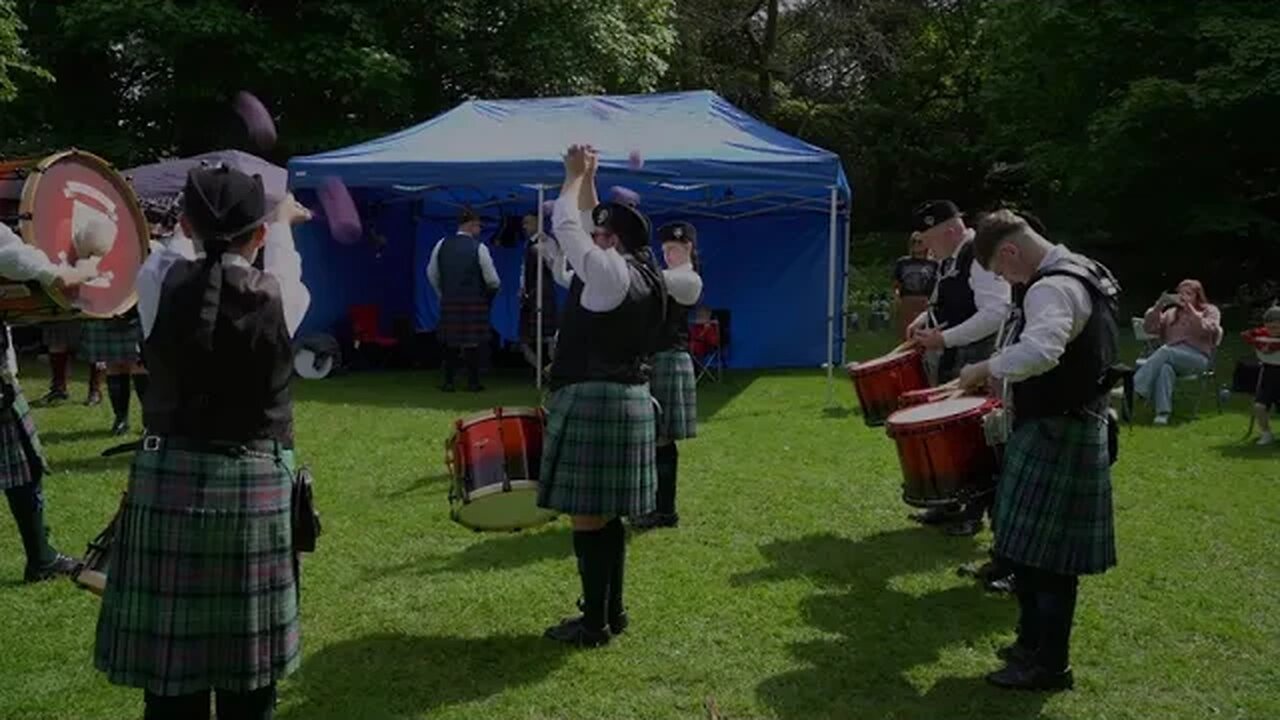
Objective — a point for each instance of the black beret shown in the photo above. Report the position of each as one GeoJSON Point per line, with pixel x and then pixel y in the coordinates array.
{"type": "Point", "coordinates": [681, 232]}
{"type": "Point", "coordinates": [933, 212]}
{"type": "Point", "coordinates": [223, 203]}
{"type": "Point", "coordinates": [629, 224]}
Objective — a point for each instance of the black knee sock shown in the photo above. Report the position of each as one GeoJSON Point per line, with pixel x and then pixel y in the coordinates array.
{"type": "Point", "coordinates": [472, 358]}
{"type": "Point", "coordinates": [140, 383]}
{"type": "Point", "coordinates": [450, 364]}
{"type": "Point", "coordinates": [177, 707]}
{"type": "Point", "coordinates": [118, 392]}
{"type": "Point", "coordinates": [617, 541]}
{"type": "Point", "coordinates": [1028, 612]}
{"type": "Point", "coordinates": [26, 504]}
{"type": "Point", "coordinates": [58, 364]}
{"type": "Point", "coordinates": [1056, 605]}
{"type": "Point", "coordinates": [667, 461]}
{"type": "Point", "coordinates": [256, 705]}
{"type": "Point", "coordinates": [593, 569]}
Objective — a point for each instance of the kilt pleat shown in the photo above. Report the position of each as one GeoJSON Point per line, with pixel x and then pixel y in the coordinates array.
{"type": "Point", "coordinates": [598, 450]}
{"type": "Point", "coordinates": [21, 454]}
{"type": "Point", "coordinates": [114, 340]}
{"type": "Point", "coordinates": [675, 386]}
{"type": "Point", "coordinates": [464, 322]}
{"type": "Point", "coordinates": [1053, 507]}
{"type": "Point", "coordinates": [63, 334]}
{"type": "Point", "coordinates": [201, 584]}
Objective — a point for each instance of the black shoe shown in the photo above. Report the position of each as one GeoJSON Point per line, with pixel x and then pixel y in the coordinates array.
{"type": "Point", "coordinates": [448, 387]}
{"type": "Point", "coordinates": [95, 398]}
{"type": "Point", "coordinates": [655, 520]}
{"type": "Point", "coordinates": [574, 632]}
{"type": "Point", "coordinates": [617, 624]}
{"type": "Point", "coordinates": [121, 426]}
{"type": "Point", "coordinates": [61, 565]}
{"type": "Point", "coordinates": [964, 528]}
{"type": "Point", "coordinates": [935, 515]}
{"type": "Point", "coordinates": [1017, 654]}
{"type": "Point", "coordinates": [53, 397]}
{"type": "Point", "coordinates": [1006, 584]}
{"type": "Point", "coordinates": [1031, 677]}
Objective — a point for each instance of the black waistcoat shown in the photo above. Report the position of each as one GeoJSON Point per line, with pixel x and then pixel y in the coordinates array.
{"type": "Point", "coordinates": [238, 391]}
{"type": "Point", "coordinates": [1078, 382]}
{"type": "Point", "coordinates": [614, 346]}
{"type": "Point", "coordinates": [954, 303]}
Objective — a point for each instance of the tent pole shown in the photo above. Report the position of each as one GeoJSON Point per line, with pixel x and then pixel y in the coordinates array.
{"type": "Point", "coordinates": [831, 294]}
{"type": "Point", "coordinates": [843, 350]}
{"type": "Point", "coordinates": [542, 195]}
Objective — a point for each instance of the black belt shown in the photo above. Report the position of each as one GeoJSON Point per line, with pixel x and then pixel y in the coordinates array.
{"type": "Point", "coordinates": [157, 443]}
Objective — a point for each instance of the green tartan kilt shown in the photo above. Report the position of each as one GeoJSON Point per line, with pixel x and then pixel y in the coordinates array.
{"type": "Point", "coordinates": [675, 386]}
{"type": "Point", "coordinates": [22, 459]}
{"type": "Point", "coordinates": [114, 340]}
{"type": "Point", "coordinates": [598, 450]}
{"type": "Point", "coordinates": [202, 591]}
{"type": "Point", "coordinates": [1053, 508]}
{"type": "Point", "coordinates": [61, 334]}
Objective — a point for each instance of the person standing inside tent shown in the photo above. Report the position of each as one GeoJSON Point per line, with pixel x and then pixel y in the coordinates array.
{"type": "Point", "coordinates": [674, 382]}
{"type": "Point", "coordinates": [529, 334]}
{"type": "Point", "coordinates": [461, 271]}
{"type": "Point", "coordinates": [968, 306]}
{"type": "Point", "coordinates": [598, 451]}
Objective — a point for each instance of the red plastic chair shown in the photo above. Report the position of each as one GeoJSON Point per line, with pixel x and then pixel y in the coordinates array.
{"type": "Point", "coordinates": [364, 327]}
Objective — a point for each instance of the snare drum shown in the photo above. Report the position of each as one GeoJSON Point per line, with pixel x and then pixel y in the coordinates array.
{"type": "Point", "coordinates": [49, 201]}
{"type": "Point", "coordinates": [495, 458]}
{"type": "Point", "coordinates": [880, 382]}
{"type": "Point", "coordinates": [944, 451]}
{"type": "Point", "coordinates": [911, 398]}
{"type": "Point", "coordinates": [92, 573]}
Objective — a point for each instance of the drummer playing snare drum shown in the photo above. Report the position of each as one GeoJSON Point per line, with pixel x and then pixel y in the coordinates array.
{"type": "Point", "coordinates": [968, 306]}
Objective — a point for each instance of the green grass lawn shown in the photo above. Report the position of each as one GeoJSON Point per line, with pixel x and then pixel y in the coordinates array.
{"type": "Point", "coordinates": [795, 587]}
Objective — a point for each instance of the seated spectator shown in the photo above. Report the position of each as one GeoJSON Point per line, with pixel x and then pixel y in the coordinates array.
{"type": "Point", "coordinates": [1189, 326]}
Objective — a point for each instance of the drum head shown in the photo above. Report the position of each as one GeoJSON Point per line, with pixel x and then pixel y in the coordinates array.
{"type": "Point", "coordinates": [492, 509]}
{"type": "Point", "coordinates": [74, 190]}
{"type": "Point", "coordinates": [306, 365]}
{"type": "Point", "coordinates": [941, 410]}
{"type": "Point", "coordinates": [883, 360]}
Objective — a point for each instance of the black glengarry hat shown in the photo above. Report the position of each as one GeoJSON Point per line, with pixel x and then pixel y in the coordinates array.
{"type": "Point", "coordinates": [629, 224]}
{"type": "Point", "coordinates": [223, 203]}
{"type": "Point", "coordinates": [932, 213]}
{"type": "Point", "coordinates": [681, 232]}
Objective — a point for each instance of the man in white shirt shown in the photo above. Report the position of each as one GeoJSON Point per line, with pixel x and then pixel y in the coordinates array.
{"type": "Point", "coordinates": [968, 306]}
{"type": "Point", "coordinates": [1053, 515]}
{"type": "Point", "coordinates": [462, 273]}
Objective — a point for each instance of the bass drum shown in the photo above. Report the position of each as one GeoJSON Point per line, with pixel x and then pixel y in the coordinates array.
{"type": "Point", "coordinates": [52, 201]}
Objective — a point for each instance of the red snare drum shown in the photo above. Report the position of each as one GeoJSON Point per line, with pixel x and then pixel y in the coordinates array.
{"type": "Point", "coordinates": [495, 458]}
{"type": "Point", "coordinates": [911, 398]}
{"type": "Point", "coordinates": [943, 450]}
{"type": "Point", "coordinates": [880, 382]}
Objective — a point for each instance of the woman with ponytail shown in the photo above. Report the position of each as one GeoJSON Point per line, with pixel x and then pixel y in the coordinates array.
{"type": "Point", "coordinates": [674, 381]}
{"type": "Point", "coordinates": [203, 590]}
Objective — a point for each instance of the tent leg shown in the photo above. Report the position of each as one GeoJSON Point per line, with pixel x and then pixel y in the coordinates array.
{"type": "Point", "coordinates": [831, 297]}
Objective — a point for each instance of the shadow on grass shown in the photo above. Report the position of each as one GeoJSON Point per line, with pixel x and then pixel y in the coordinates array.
{"type": "Point", "coordinates": [881, 634]}
{"type": "Point", "coordinates": [506, 551]}
{"type": "Point", "coordinates": [1249, 450]}
{"type": "Point", "coordinates": [397, 676]}
{"type": "Point", "coordinates": [420, 485]}
{"type": "Point", "coordinates": [61, 436]}
{"type": "Point", "coordinates": [93, 464]}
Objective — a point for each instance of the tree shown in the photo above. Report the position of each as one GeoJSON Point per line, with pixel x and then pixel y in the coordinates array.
{"type": "Point", "coordinates": [13, 57]}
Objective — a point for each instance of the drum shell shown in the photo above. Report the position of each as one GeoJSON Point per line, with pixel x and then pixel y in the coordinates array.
{"type": "Point", "coordinates": [945, 460]}
{"type": "Point", "coordinates": [879, 385]}
{"type": "Point", "coordinates": [493, 457]}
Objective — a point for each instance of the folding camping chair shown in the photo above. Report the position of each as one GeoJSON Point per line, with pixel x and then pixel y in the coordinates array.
{"type": "Point", "coordinates": [708, 342]}
{"type": "Point", "coordinates": [1204, 380]}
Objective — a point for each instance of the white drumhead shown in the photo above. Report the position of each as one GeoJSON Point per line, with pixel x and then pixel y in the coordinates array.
{"type": "Point", "coordinates": [936, 410]}
{"type": "Point", "coordinates": [304, 362]}
{"type": "Point", "coordinates": [882, 360]}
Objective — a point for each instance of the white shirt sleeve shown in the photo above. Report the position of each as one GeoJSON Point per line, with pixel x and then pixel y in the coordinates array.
{"type": "Point", "coordinates": [486, 268]}
{"type": "Point", "coordinates": [1057, 309]}
{"type": "Point", "coordinates": [554, 257]}
{"type": "Point", "coordinates": [20, 261]}
{"type": "Point", "coordinates": [433, 267]}
{"type": "Point", "coordinates": [151, 279]}
{"type": "Point", "coordinates": [683, 284]}
{"type": "Point", "coordinates": [993, 297]}
{"type": "Point", "coordinates": [604, 273]}
{"type": "Point", "coordinates": [280, 259]}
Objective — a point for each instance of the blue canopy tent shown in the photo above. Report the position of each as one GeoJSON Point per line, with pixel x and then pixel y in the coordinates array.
{"type": "Point", "coordinates": [772, 211]}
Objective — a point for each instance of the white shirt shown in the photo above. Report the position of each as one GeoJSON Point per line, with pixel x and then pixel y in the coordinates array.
{"type": "Point", "coordinates": [279, 258]}
{"type": "Point", "coordinates": [486, 267]}
{"type": "Point", "coordinates": [604, 273]}
{"type": "Point", "coordinates": [554, 257]}
{"type": "Point", "coordinates": [1055, 309]}
{"type": "Point", "coordinates": [21, 262]}
{"type": "Point", "coordinates": [683, 284]}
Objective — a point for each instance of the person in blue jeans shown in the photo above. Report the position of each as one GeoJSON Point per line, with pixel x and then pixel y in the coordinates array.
{"type": "Point", "coordinates": [1190, 327]}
